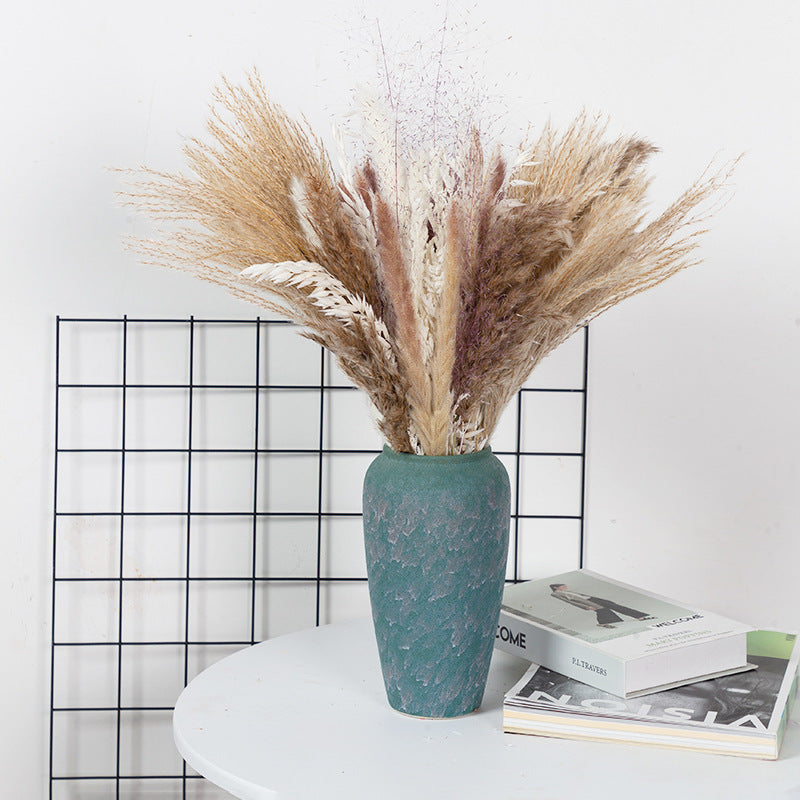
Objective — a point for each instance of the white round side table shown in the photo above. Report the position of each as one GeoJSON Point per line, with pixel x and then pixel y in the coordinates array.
{"type": "Point", "coordinates": [304, 717]}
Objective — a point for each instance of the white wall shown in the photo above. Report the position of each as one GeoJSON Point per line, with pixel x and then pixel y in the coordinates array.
{"type": "Point", "coordinates": [693, 465]}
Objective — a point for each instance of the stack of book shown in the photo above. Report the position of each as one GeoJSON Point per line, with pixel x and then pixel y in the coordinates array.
{"type": "Point", "coordinates": [616, 663]}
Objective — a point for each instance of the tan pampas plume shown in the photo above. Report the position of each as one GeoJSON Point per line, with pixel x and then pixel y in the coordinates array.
{"type": "Point", "coordinates": [444, 341]}
{"type": "Point", "coordinates": [438, 273]}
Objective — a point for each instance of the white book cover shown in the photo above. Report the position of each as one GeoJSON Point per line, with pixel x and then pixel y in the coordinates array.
{"type": "Point", "coordinates": [616, 637]}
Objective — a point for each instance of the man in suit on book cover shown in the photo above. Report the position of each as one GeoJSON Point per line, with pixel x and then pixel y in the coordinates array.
{"type": "Point", "coordinates": [607, 611]}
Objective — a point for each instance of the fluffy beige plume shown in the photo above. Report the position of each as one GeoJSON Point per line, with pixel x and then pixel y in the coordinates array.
{"type": "Point", "coordinates": [262, 190]}
{"type": "Point", "coordinates": [425, 202]}
{"type": "Point", "coordinates": [407, 334]}
{"type": "Point", "coordinates": [442, 419]}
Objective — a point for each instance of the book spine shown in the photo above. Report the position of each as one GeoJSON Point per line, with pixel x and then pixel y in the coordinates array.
{"type": "Point", "coordinates": [563, 654]}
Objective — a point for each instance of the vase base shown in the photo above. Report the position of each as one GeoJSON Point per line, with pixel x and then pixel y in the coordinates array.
{"type": "Point", "coordinates": [435, 719]}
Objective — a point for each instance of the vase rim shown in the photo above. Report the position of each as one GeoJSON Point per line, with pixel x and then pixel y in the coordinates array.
{"type": "Point", "coordinates": [460, 457]}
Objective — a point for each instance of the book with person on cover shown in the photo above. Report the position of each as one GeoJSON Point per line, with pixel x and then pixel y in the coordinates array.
{"type": "Point", "coordinates": [616, 637]}
{"type": "Point", "coordinates": [743, 714]}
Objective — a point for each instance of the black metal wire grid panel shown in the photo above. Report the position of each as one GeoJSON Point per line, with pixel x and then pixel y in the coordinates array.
{"type": "Point", "coordinates": [206, 479]}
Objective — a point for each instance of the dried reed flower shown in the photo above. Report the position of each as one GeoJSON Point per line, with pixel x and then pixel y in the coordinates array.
{"type": "Point", "coordinates": [438, 277]}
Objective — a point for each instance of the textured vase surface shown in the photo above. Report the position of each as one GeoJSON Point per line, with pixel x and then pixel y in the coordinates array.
{"type": "Point", "coordinates": [436, 536]}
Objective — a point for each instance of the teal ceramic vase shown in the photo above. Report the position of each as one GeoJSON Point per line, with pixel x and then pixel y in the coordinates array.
{"type": "Point", "coordinates": [436, 537]}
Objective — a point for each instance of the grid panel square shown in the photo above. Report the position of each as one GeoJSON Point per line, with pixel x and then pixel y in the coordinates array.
{"type": "Point", "coordinates": [222, 547]}
{"type": "Point", "coordinates": [287, 359]}
{"type": "Point", "coordinates": [146, 746]}
{"type": "Point", "coordinates": [90, 352]}
{"type": "Point", "coordinates": [204, 790]}
{"type": "Point", "coordinates": [90, 418]}
{"type": "Point", "coordinates": [504, 438]}
{"type": "Point", "coordinates": [89, 483]}
{"type": "Point", "coordinates": [202, 656]}
{"type": "Point", "coordinates": [510, 463]}
{"type": "Point", "coordinates": [87, 547]}
{"type": "Point", "coordinates": [224, 354]}
{"type": "Point", "coordinates": [149, 789]}
{"type": "Point", "coordinates": [154, 547]}
{"type": "Point", "coordinates": [563, 368]}
{"type": "Point", "coordinates": [86, 611]}
{"type": "Point", "coordinates": [156, 419]}
{"type": "Point", "coordinates": [286, 547]}
{"type": "Point", "coordinates": [153, 611]}
{"type": "Point", "coordinates": [342, 482]}
{"type": "Point", "coordinates": [342, 548]}
{"type": "Point", "coordinates": [552, 422]}
{"type": "Point", "coordinates": [223, 419]}
{"type": "Point", "coordinates": [85, 677]}
{"type": "Point", "coordinates": [350, 422]}
{"type": "Point", "coordinates": [84, 743]}
{"type": "Point", "coordinates": [546, 547]}
{"type": "Point", "coordinates": [284, 607]}
{"type": "Point", "coordinates": [152, 675]}
{"type": "Point", "coordinates": [222, 482]}
{"type": "Point", "coordinates": [158, 353]}
{"type": "Point", "coordinates": [288, 482]}
{"type": "Point", "coordinates": [550, 485]}
{"type": "Point", "coordinates": [219, 611]}
{"type": "Point", "coordinates": [84, 790]}
{"type": "Point", "coordinates": [341, 601]}
{"type": "Point", "coordinates": [280, 410]}
{"type": "Point", "coordinates": [156, 482]}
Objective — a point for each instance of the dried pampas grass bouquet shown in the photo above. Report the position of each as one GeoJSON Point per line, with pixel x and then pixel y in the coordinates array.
{"type": "Point", "coordinates": [439, 273]}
